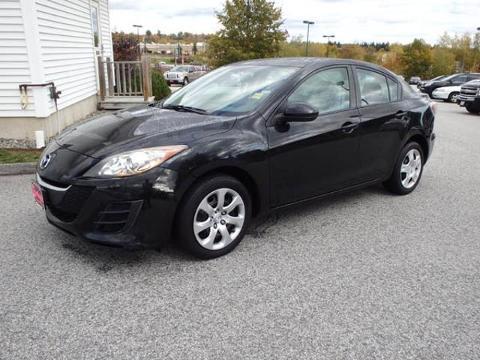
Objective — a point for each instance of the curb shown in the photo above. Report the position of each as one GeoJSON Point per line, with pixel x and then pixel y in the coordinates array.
{"type": "Point", "coordinates": [17, 168]}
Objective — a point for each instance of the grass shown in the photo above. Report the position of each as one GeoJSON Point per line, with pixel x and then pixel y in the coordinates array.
{"type": "Point", "coordinates": [9, 156]}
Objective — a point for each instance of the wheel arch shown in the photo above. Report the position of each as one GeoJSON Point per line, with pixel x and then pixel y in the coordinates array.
{"type": "Point", "coordinates": [238, 173]}
{"type": "Point", "coordinates": [420, 139]}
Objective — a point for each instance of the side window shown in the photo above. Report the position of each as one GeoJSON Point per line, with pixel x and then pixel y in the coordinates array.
{"type": "Point", "coordinates": [326, 91]}
{"type": "Point", "coordinates": [459, 79]}
{"type": "Point", "coordinates": [393, 89]}
{"type": "Point", "coordinates": [373, 87]}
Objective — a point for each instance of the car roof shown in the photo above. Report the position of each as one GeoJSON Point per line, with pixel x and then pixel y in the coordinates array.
{"type": "Point", "coordinates": [311, 62]}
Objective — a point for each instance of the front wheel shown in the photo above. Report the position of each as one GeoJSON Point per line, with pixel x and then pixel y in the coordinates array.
{"type": "Point", "coordinates": [185, 81]}
{"type": "Point", "coordinates": [453, 97]}
{"type": "Point", "coordinates": [407, 171]}
{"type": "Point", "coordinates": [214, 216]}
{"type": "Point", "coordinates": [472, 109]}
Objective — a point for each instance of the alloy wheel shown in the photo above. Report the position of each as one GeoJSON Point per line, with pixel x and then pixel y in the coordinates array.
{"type": "Point", "coordinates": [219, 219]}
{"type": "Point", "coordinates": [411, 168]}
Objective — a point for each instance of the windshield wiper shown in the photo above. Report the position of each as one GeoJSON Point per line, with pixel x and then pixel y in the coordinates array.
{"type": "Point", "coordinates": [185, 108]}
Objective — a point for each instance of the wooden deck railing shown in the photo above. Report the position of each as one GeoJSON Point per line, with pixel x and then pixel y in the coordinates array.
{"type": "Point", "coordinates": [124, 78]}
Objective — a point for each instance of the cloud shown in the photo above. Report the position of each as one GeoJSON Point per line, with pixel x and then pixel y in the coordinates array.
{"type": "Point", "coordinates": [350, 20]}
{"type": "Point", "coordinates": [194, 12]}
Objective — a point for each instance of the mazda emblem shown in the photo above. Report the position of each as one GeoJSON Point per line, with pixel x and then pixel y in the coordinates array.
{"type": "Point", "coordinates": [45, 161]}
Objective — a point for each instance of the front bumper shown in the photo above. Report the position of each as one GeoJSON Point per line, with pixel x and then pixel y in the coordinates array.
{"type": "Point", "coordinates": [133, 213]}
{"type": "Point", "coordinates": [463, 99]}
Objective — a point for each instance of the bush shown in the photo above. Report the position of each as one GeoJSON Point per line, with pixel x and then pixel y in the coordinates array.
{"type": "Point", "coordinates": [160, 87]}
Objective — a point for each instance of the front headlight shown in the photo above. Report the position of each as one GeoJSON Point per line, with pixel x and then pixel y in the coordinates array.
{"type": "Point", "coordinates": [134, 162]}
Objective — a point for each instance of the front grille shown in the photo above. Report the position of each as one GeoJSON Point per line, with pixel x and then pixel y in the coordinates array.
{"type": "Point", "coordinates": [70, 204]}
{"type": "Point", "coordinates": [117, 216]}
{"type": "Point", "coordinates": [468, 91]}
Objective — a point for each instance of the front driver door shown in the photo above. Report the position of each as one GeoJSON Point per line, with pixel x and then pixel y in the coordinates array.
{"type": "Point", "coordinates": [312, 158]}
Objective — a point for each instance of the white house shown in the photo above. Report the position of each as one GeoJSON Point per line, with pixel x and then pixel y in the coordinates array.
{"type": "Point", "coordinates": [44, 42]}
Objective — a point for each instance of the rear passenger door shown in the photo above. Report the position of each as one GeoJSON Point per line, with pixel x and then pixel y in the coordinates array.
{"type": "Point", "coordinates": [383, 119]}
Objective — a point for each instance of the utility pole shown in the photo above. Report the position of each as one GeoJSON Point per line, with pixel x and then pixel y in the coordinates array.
{"type": "Point", "coordinates": [328, 44]}
{"type": "Point", "coordinates": [308, 33]}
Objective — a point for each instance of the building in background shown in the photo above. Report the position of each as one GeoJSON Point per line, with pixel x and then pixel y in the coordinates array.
{"type": "Point", "coordinates": [50, 48]}
{"type": "Point", "coordinates": [170, 48]}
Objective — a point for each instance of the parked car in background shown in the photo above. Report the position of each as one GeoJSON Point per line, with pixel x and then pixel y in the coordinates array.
{"type": "Point", "coordinates": [446, 93]}
{"type": "Point", "coordinates": [414, 80]}
{"type": "Point", "coordinates": [455, 79]}
{"type": "Point", "coordinates": [183, 74]}
{"type": "Point", "coordinates": [243, 140]}
{"type": "Point", "coordinates": [423, 82]}
{"type": "Point", "coordinates": [470, 96]}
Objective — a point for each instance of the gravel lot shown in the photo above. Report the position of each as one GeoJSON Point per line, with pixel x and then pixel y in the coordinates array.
{"type": "Point", "coordinates": [366, 275]}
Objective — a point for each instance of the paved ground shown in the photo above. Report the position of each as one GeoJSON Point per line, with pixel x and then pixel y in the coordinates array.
{"type": "Point", "coordinates": [361, 276]}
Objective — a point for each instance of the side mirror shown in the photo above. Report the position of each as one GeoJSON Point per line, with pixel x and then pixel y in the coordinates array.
{"type": "Point", "coordinates": [299, 112]}
{"type": "Point", "coordinates": [190, 70]}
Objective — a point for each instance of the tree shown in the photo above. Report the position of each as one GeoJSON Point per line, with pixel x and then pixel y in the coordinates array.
{"type": "Point", "coordinates": [125, 46]}
{"type": "Point", "coordinates": [443, 62]}
{"type": "Point", "coordinates": [417, 59]}
{"type": "Point", "coordinates": [160, 87]}
{"type": "Point", "coordinates": [194, 48]}
{"type": "Point", "coordinates": [250, 29]}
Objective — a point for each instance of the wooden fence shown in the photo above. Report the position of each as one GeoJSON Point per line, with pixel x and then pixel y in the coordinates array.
{"type": "Point", "coordinates": [124, 78]}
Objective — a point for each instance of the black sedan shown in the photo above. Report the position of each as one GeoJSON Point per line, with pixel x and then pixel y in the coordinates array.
{"type": "Point", "coordinates": [241, 141]}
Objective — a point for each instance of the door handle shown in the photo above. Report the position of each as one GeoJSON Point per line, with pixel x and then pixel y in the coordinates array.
{"type": "Point", "coordinates": [349, 127]}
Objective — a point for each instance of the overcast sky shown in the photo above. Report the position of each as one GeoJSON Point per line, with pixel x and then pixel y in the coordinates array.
{"type": "Point", "coordinates": [350, 20]}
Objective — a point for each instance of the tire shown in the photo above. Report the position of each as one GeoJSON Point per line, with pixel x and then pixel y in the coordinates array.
{"type": "Point", "coordinates": [472, 109]}
{"type": "Point", "coordinates": [452, 98]}
{"type": "Point", "coordinates": [208, 239]}
{"type": "Point", "coordinates": [185, 81]}
{"type": "Point", "coordinates": [406, 176]}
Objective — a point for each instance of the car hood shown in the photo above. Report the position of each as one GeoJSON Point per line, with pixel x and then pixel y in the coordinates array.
{"type": "Point", "coordinates": [474, 84]}
{"type": "Point", "coordinates": [140, 127]}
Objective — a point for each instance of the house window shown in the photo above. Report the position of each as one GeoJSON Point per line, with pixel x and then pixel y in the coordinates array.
{"type": "Point", "coordinates": [95, 30]}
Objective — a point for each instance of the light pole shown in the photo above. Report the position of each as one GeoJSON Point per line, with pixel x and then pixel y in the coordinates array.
{"type": "Point", "coordinates": [308, 33]}
{"type": "Point", "coordinates": [328, 44]}
{"type": "Point", "coordinates": [138, 37]}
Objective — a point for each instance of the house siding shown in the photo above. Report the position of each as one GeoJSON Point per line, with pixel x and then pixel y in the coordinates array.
{"type": "Point", "coordinates": [49, 40]}
{"type": "Point", "coordinates": [14, 62]}
{"type": "Point", "coordinates": [66, 48]}
{"type": "Point", "coordinates": [105, 29]}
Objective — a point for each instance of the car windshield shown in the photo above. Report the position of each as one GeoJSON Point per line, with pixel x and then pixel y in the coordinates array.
{"type": "Point", "coordinates": [180, 69]}
{"type": "Point", "coordinates": [449, 77]}
{"type": "Point", "coordinates": [231, 90]}
{"type": "Point", "coordinates": [438, 78]}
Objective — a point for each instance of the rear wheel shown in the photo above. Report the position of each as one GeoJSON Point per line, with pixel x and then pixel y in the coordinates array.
{"type": "Point", "coordinates": [213, 218]}
{"type": "Point", "coordinates": [407, 171]}
{"type": "Point", "coordinates": [472, 109]}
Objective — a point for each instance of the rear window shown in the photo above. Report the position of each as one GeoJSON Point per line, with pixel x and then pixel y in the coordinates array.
{"type": "Point", "coordinates": [393, 88]}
